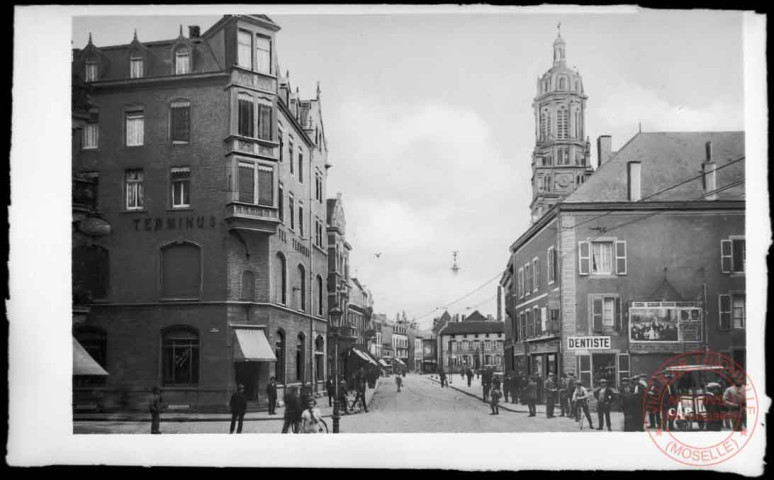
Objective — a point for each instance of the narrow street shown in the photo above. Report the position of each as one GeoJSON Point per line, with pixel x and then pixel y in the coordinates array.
{"type": "Point", "coordinates": [422, 406]}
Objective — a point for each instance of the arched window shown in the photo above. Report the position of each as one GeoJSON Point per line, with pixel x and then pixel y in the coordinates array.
{"type": "Point", "coordinates": [543, 124]}
{"type": "Point", "coordinates": [248, 286]}
{"type": "Point", "coordinates": [91, 273]}
{"type": "Point", "coordinates": [319, 358]}
{"type": "Point", "coordinates": [280, 280]}
{"type": "Point", "coordinates": [180, 356]}
{"type": "Point", "coordinates": [300, 357]}
{"type": "Point", "coordinates": [181, 271]}
{"type": "Point", "coordinates": [320, 294]}
{"type": "Point", "coordinates": [279, 352]}
{"type": "Point", "coordinates": [562, 84]}
{"type": "Point", "coordinates": [562, 120]}
{"type": "Point", "coordinates": [302, 288]}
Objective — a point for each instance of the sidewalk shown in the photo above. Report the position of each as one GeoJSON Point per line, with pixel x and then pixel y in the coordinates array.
{"type": "Point", "coordinates": [250, 416]}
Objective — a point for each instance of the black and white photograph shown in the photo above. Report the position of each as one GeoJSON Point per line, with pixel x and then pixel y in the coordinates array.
{"type": "Point", "coordinates": [352, 221]}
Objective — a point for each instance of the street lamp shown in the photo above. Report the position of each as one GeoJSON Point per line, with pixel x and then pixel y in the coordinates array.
{"type": "Point", "coordinates": [334, 326]}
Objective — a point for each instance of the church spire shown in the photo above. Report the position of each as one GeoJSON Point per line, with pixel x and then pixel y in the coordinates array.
{"type": "Point", "coordinates": [559, 47]}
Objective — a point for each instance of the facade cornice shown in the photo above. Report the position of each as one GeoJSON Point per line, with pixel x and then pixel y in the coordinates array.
{"type": "Point", "coordinates": [149, 82]}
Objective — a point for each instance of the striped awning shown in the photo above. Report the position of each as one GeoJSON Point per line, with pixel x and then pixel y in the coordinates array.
{"type": "Point", "coordinates": [400, 361]}
{"type": "Point", "coordinates": [383, 363]}
{"type": "Point", "coordinates": [251, 345]}
{"type": "Point", "coordinates": [364, 356]}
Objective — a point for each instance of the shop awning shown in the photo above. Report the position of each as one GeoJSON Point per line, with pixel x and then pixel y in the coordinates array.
{"type": "Point", "coordinates": [383, 363]}
{"type": "Point", "coordinates": [400, 361]}
{"type": "Point", "coordinates": [83, 363]}
{"type": "Point", "coordinates": [364, 356]}
{"type": "Point", "coordinates": [251, 345]}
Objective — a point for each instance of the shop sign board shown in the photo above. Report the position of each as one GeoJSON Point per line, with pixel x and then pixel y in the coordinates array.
{"type": "Point", "coordinates": [589, 343]}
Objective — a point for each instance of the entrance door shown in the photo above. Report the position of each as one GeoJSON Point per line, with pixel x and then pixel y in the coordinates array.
{"type": "Point", "coordinates": [604, 367]}
{"type": "Point", "coordinates": [247, 375]}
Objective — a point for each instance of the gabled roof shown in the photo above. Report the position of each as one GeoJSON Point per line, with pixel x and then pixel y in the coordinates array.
{"type": "Point", "coordinates": [458, 328]}
{"type": "Point", "coordinates": [475, 317]}
{"type": "Point", "coordinates": [668, 158]}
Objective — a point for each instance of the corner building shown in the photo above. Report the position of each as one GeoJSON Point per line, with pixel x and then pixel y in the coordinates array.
{"type": "Point", "coordinates": [210, 174]}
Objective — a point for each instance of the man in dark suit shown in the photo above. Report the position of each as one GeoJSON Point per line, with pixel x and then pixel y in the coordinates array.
{"type": "Point", "coordinates": [529, 396]}
{"type": "Point", "coordinates": [564, 408]}
{"type": "Point", "coordinates": [550, 388]}
{"type": "Point", "coordinates": [330, 387]}
{"type": "Point", "coordinates": [238, 406]}
{"type": "Point", "coordinates": [605, 397]}
{"type": "Point", "coordinates": [271, 393]}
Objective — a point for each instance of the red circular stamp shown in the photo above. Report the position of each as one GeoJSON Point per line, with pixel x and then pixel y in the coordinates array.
{"type": "Point", "coordinates": [697, 406]}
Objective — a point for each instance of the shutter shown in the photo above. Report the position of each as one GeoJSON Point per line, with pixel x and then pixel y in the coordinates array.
{"type": "Point", "coordinates": [281, 206]}
{"type": "Point", "coordinates": [618, 315]}
{"type": "Point", "coordinates": [738, 254]}
{"type": "Point", "coordinates": [620, 257]}
{"type": "Point", "coordinates": [596, 314]}
{"type": "Point", "coordinates": [584, 259]}
{"type": "Point", "coordinates": [725, 256]}
{"type": "Point", "coordinates": [724, 312]}
{"type": "Point", "coordinates": [536, 269]}
{"type": "Point", "coordinates": [246, 183]}
{"type": "Point", "coordinates": [266, 186]}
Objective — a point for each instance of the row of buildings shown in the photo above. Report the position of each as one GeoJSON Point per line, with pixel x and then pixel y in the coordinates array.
{"type": "Point", "coordinates": [632, 260]}
{"type": "Point", "coordinates": [206, 252]}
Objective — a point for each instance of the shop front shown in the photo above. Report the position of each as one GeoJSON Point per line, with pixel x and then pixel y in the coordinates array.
{"type": "Point", "coordinates": [252, 358]}
{"type": "Point", "coordinates": [543, 361]}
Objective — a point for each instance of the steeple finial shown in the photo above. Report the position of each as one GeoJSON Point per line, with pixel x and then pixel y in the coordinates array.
{"type": "Point", "coordinates": [318, 89]}
{"type": "Point", "coordinates": [90, 39]}
{"type": "Point", "coordinates": [559, 29]}
{"type": "Point", "coordinates": [181, 29]}
{"type": "Point", "coordinates": [135, 34]}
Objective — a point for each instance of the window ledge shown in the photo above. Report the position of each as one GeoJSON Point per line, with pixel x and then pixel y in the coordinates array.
{"type": "Point", "coordinates": [181, 209]}
{"type": "Point", "coordinates": [181, 299]}
{"type": "Point", "coordinates": [138, 210]}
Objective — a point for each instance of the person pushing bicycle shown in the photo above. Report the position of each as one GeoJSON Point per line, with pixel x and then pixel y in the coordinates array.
{"type": "Point", "coordinates": [581, 398]}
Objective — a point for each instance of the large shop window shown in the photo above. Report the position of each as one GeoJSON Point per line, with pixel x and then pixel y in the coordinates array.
{"type": "Point", "coordinates": [279, 352]}
{"type": "Point", "coordinates": [733, 253]}
{"type": "Point", "coordinates": [180, 357]}
{"type": "Point", "coordinates": [602, 258]}
{"type": "Point", "coordinates": [181, 274]}
{"type": "Point", "coordinates": [91, 273]}
{"type": "Point", "coordinates": [732, 311]}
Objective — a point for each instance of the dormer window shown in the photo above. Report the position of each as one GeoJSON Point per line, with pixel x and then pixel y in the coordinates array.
{"type": "Point", "coordinates": [263, 54]}
{"type": "Point", "coordinates": [135, 67]}
{"type": "Point", "coordinates": [91, 71]}
{"type": "Point", "coordinates": [182, 61]}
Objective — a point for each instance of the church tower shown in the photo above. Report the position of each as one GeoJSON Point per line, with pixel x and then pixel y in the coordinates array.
{"type": "Point", "coordinates": [561, 159]}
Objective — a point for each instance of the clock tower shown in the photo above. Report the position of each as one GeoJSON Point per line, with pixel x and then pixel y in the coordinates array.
{"type": "Point", "coordinates": [561, 159]}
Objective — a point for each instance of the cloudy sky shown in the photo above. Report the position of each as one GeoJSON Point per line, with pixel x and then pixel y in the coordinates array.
{"type": "Point", "coordinates": [430, 125]}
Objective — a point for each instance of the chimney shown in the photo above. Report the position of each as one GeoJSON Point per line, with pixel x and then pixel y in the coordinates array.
{"type": "Point", "coordinates": [635, 181]}
{"type": "Point", "coordinates": [709, 176]}
{"type": "Point", "coordinates": [193, 31]}
{"type": "Point", "coordinates": [604, 147]}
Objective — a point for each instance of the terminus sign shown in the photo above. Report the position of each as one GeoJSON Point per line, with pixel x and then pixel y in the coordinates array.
{"type": "Point", "coordinates": [588, 343]}
{"type": "Point", "coordinates": [174, 223]}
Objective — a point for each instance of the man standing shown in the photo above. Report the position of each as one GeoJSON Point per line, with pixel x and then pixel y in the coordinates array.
{"type": "Point", "coordinates": [507, 387]}
{"type": "Point", "coordinates": [638, 396]}
{"type": "Point", "coordinates": [155, 410]}
{"type": "Point", "coordinates": [627, 404]}
{"type": "Point", "coordinates": [529, 395]}
{"type": "Point", "coordinates": [306, 394]}
{"type": "Point", "coordinates": [570, 386]}
{"type": "Point", "coordinates": [330, 387]}
{"type": "Point", "coordinates": [562, 391]}
{"type": "Point", "coordinates": [667, 402]}
{"type": "Point", "coordinates": [469, 374]}
{"type": "Point", "coordinates": [550, 388]}
{"type": "Point", "coordinates": [604, 396]}
{"type": "Point", "coordinates": [360, 391]}
{"type": "Point", "coordinates": [581, 398]}
{"type": "Point", "coordinates": [486, 379]}
{"type": "Point", "coordinates": [292, 410]}
{"type": "Point", "coordinates": [238, 406]}
{"type": "Point", "coordinates": [733, 399]}
{"type": "Point", "coordinates": [442, 376]}
{"type": "Point", "coordinates": [343, 394]}
{"type": "Point", "coordinates": [271, 393]}
{"type": "Point", "coordinates": [398, 381]}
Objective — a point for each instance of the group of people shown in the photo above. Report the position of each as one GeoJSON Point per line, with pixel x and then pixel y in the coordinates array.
{"type": "Point", "coordinates": [358, 388]}
{"type": "Point", "coordinates": [665, 332]}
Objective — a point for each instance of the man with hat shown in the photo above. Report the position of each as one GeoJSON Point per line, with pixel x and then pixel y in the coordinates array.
{"type": "Point", "coordinates": [627, 404]}
{"type": "Point", "coordinates": [569, 385]}
{"type": "Point", "coordinates": [638, 394]}
{"type": "Point", "coordinates": [667, 402]}
{"type": "Point", "coordinates": [604, 396]}
{"type": "Point", "coordinates": [551, 391]}
{"type": "Point", "coordinates": [581, 398]}
{"type": "Point", "coordinates": [238, 405]}
{"type": "Point", "coordinates": [155, 410]}
{"type": "Point", "coordinates": [529, 396]}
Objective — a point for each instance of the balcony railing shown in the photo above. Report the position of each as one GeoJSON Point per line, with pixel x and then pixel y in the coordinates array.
{"type": "Point", "coordinates": [252, 217]}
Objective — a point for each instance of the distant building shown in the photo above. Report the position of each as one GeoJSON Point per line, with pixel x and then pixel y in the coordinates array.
{"type": "Point", "coordinates": [474, 345]}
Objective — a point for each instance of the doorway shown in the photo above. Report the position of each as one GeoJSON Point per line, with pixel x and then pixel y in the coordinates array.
{"type": "Point", "coordinates": [604, 367]}
{"type": "Point", "coordinates": [247, 375]}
